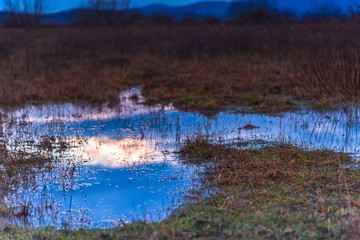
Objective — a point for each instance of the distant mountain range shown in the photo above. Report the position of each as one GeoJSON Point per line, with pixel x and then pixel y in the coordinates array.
{"type": "Point", "coordinates": [219, 10]}
{"type": "Point", "coordinates": [201, 10]}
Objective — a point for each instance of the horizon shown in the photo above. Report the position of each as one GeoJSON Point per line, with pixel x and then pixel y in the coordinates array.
{"type": "Point", "coordinates": [295, 6]}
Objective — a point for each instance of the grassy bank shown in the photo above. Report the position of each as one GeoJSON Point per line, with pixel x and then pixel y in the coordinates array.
{"type": "Point", "coordinates": [198, 67]}
{"type": "Point", "coordinates": [279, 192]}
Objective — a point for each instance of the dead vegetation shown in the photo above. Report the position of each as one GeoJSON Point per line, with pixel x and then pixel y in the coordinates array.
{"type": "Point", "coordinates": [198, 67]}
{"type": "Point", "coordinates": [281, 192]}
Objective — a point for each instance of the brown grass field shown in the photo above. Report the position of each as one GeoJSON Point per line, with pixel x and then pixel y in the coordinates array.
{"type": "Point", "coordinates": [204, 67]}
{"type": "Point", "coordinates": [274, 192]}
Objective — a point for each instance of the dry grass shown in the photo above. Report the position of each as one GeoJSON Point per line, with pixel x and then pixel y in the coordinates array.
{"type": "Point", "coordinates": [281, 192]}
{"type": "Point", "coordinates": [199, 67]}
{"type": "Point", "coordinates": [269, 166]}
{"type": "Point", "coordinates": [334, 72]}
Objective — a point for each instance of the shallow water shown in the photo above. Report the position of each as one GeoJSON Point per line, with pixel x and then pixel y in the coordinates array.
{"type": "Point", "coordinates": [120, 165]}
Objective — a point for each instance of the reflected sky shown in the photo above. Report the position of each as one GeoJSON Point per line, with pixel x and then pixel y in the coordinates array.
{"type": "Point", "coordinates": [122, 165]}
{"type": "Point", "coordinates": [116, 154]}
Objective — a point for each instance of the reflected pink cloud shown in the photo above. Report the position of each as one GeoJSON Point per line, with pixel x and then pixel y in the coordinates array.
{"type": "Point", "coordinates": [116, 154]}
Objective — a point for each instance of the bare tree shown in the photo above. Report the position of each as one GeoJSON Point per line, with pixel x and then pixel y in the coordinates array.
{"type": "Point", "coordinates": [239, 6]}
{"type": "Point", "coordinates": [255, 10]}
{"type": "Point", "coordinates": [105, 11]}
{"type": "Point", "coordinates": [25, 12]}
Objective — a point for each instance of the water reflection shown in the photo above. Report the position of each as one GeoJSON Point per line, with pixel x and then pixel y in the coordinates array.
{"type": "Point", "coordinates": [116, 154]}
{"type": "Point", "coordinates": [109, 165]}
{"type": "Point", "coordinates": [82, 112]}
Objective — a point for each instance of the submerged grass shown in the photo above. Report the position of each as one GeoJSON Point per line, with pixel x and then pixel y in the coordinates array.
{"type": "Point", "coordinates": [24, 156]}
{"type": "Point", "coordinates": [271, 193]}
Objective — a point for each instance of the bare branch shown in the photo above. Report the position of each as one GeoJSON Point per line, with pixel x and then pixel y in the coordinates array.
{"type": "Point", "coordinates": [25, 12]}
{"type": "Point", "coordinates": [105, 11]}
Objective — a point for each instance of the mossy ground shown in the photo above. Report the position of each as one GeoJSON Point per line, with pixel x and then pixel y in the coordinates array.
{"type": "Point", "coordinates": [270, 193]}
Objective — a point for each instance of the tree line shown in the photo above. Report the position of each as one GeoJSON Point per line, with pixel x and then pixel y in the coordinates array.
{"type": "Point", "coordinates": [23, 13]}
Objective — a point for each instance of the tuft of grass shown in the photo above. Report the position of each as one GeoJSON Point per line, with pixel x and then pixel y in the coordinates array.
{"type": "Point", "coordinates": [276, 192]}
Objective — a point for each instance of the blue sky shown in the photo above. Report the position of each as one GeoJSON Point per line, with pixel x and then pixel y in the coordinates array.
{"type": "Point", "coordinates": [295, 5]}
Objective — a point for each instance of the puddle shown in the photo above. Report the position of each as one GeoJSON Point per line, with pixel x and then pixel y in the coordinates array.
{"type": "Point", "coordinates": [110, 166]}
